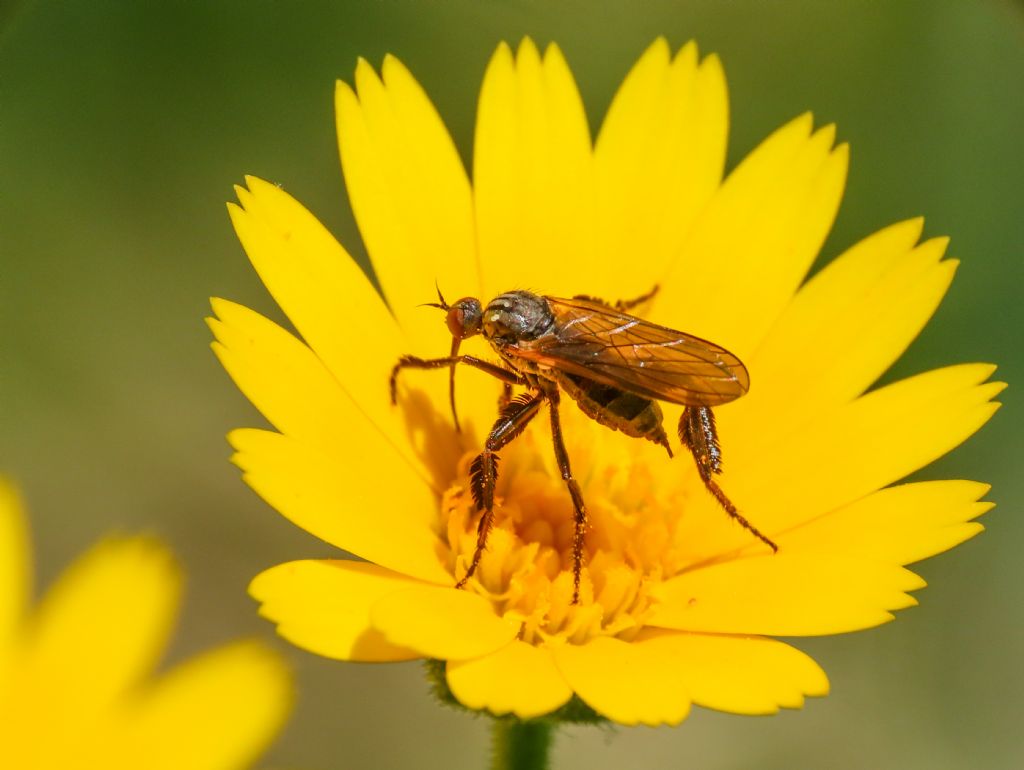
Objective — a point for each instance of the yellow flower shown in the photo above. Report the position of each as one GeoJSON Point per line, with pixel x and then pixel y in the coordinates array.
{"type": "Point", "coordinates": [678, 603]}
{"type": "Point", "coordinates": [75, 673]}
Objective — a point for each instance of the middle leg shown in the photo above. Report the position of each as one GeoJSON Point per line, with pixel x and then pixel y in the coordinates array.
{"type": "Point", "coordinates": [579, 507]}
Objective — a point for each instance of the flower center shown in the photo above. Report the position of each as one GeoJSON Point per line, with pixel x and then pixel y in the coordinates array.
{"type": "Point", "coordinates": [527, 567]}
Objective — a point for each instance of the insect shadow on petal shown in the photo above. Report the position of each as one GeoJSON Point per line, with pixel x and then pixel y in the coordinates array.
{"type": "Point", "coordinates": [615, 366]}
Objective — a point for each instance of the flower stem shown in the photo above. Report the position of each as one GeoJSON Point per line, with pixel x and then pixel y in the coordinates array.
{"type": "Point", "coordinates": [520, 745]}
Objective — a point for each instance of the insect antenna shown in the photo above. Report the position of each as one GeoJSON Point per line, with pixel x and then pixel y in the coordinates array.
{"type": "Point", "coordinates": [441, 304]}
{"type": "Point", "coordinates": [455, 351]}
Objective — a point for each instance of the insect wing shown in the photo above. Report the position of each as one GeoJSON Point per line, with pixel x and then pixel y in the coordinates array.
{"type": "Point", "coordinates": [599, 343]}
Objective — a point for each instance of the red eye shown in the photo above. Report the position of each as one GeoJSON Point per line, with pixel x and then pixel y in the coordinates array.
{"type": "Point", "coordinates": [455, 322]}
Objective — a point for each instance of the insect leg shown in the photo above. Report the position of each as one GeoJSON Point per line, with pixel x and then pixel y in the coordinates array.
{"type": "Point", "coordinates": [484, 469]}
{"type": "Point", "coordinates": [414, 362]}
{"type": "Point", "coordinates": [506, 395]}
{"type": "Point", "coordinates": [698, 434]}
{"type": "Point", "coordinates": [629, 304]}
{"type": "Point", "coordinates": [622, 304]}
{"type": "Point", "coordinates": [579, 507]}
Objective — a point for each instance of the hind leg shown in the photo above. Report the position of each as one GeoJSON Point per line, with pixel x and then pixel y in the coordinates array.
{"type": "Point", "coordinates": [698, 433]}
{"type": "Point", "coordinates": [622, 304]}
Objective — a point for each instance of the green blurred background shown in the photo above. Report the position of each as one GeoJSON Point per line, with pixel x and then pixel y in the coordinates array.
{"type": "Point", "coordinates": [123, 127]}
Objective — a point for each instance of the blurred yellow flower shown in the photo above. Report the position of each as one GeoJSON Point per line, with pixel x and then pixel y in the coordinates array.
{"type": "Point", "coordinates": [678, 603]}
{"type": "Point", "coordinates": [75, 673]}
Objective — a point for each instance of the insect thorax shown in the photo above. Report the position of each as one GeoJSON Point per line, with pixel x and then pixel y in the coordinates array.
{"type": "Point", "coordinates": [517, 316]}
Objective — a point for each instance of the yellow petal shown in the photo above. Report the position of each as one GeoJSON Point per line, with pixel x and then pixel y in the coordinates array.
{"type": "Point", "coordinates": [377, 510]}
{"type": "Point", "coordinates": [756, 239]}
{"type": "Point", "coordinates": [326, 296]}
{"type": "Point", "coordinates": [740, 674]}
{"type": "Point", "coordinates": [532, 172]}
{"type": "Point", "coordinates": [412, 200]}
{"type": "Point", "coordinates": [270, 366]}
{"type": "Point", "coordinates": [845, 327]}
{"type": "Point", "coordinates": [518, 679]}
{"type": "Point", "coordinates": [15, 565]}
{"type": "Point", "coordinates": [781, 479]}
{"type": "Point", "coordinates": [102, 626]}
{"type": "Point", "coordinates": [898, 525]}
{"type": "Point", "coordinates": [217, 711]}
{"type": "Point", "coordinates": [410, 196]}
{"type": "Point", "coordinates": [788, 594]}
{"type": "Point", "coordinates": [658, 159]}
{"type": "Point", "coordinates": [629, 683]}
{"type": "Point", "coordinates": [443, 623]}
{"type": "Point", "coordinates": [324, 607]}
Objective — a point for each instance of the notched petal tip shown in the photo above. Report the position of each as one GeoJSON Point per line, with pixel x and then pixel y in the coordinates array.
{"type": "Point", "coordinates": [367, 80]}
{"type": "Point", "coordinates": [220, 306]}
{"type": "Point", "coordinates": [802, 124]}
{"type": "Point", "coordinates": [690, 49]}
{"type": "Point", "coordinates": [343, 90]}
{"type": "Point", "coordinates": [554, 51]}
{"type": "Point", "coordinates": [527, 49]}
{"type": "Point", "coordinates": [826, 134]}
{"type": "Point", "coordinates": [711, 66]}
{"type": "Point", "coordinates": [661, 43]}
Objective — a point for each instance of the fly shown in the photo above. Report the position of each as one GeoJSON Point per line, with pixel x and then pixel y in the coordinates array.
{"type": "Point", "coordinates": [615, 366]}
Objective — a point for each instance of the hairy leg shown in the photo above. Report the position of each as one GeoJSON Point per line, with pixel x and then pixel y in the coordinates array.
{"type": "Point", "coordinates": [484, 471]}
{"type": "Point", "coordinates": [579, 507]}
{"type": "Point", "coordinates": [622, 304]}
{"type": "Point", "coordinates": [698, 433]}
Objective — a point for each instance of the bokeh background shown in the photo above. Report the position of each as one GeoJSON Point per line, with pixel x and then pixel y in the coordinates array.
{"type": "Point", "coordinates": [122, 128]}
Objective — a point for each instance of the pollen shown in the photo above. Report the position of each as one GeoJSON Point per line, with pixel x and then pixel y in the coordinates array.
{"type": "Point", "coordinates": [527, 568]}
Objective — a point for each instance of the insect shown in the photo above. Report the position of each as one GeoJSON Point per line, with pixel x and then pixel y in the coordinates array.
{"type": "Point", "coordinates": [615, 366]}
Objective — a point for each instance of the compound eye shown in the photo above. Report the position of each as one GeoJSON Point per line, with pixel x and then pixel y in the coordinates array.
{"type": "Point", "coordinates": [456, 317]}
{"type": "Point", "coordinates": [464, 318]}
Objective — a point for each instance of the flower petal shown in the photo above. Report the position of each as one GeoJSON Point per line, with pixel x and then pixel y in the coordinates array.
{"type": "Point", "coordinates": [740, 674]}
{"type": "Point", "coordinates": [898, 525]}
{"type": "Point", "coordinates": [270, 366]}
{"type": "Point", "coordinates": [15, 565]}
{"type": "Point", "coordinates": [846, 327]}
{"type": "Point", "coordinates": [658, 159]}
{"type": "Point", "coordinates": [786, 594]}
{"type": "Point", "coordinates": [341, 501]}
{"type": "Point", "coordinates": [783, 479]}
{"type": "Point", "coordinates": [327, 297]}
{"type": "Point", "coordinates": [410, 196]}
{"type": "Point", "coordinates": [217, 711]}
{"type": "Point", "coordinates": [532, 171]}
{"type": "Point", "coordinates": [629, 683]}
{"type": "Point", "coordinates": [756, 239]}
{"type": "Point", "coordinates": [519, 678]}
{"type": "Point", "coordinates": [102, 626]}
{"type": "Point", "coordinates": [443, 623]}
{"type": "Point", "coordinates": [324, 607]}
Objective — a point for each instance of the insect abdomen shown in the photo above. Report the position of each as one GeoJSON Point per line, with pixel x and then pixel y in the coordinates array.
{"type": "Point", "coordinates": [618, 409]}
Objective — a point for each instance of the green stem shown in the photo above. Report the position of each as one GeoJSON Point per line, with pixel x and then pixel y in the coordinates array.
{"type": "Point", "coordinates": [520, 745]}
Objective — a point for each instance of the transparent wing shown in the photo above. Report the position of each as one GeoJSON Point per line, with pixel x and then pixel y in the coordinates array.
{"type": "Point", "coordinates": [600, 343]}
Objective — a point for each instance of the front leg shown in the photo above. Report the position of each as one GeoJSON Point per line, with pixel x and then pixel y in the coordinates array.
{"type": "Point", "coordinates": [698, 433]}
{"type": "Point", "coordinates": [484, 469]}
{"type": "Point", "coordinates": [414, 362]}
